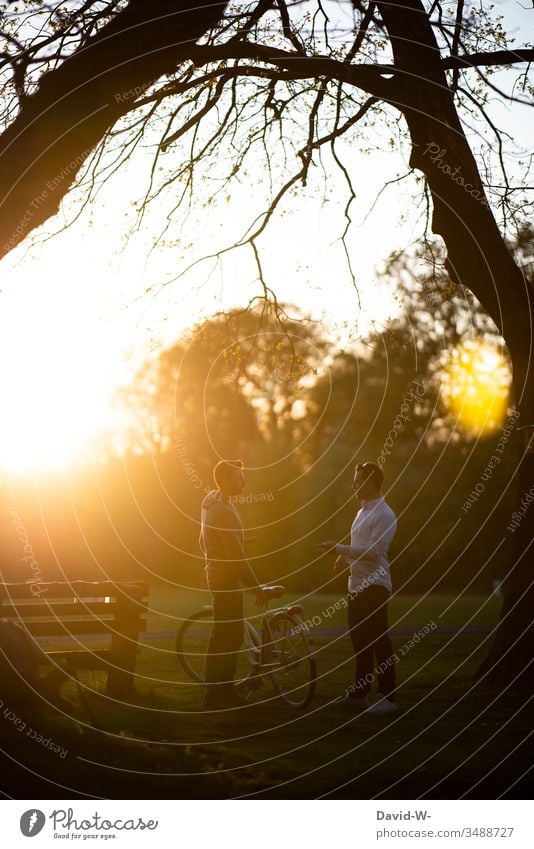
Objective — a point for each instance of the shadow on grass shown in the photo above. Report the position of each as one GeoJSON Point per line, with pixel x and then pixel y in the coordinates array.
{"type": "Point", "coordinates": [447, 740]}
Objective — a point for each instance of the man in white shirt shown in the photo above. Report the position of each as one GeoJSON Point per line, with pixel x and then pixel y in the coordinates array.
{"type": "Point", "coordinates": [371, 534]}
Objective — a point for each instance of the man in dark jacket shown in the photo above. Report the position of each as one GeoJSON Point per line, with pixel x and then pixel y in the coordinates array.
{"type": "Point", "coordinates": [227, 572]}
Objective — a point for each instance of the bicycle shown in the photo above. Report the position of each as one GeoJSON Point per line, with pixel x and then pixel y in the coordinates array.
{"type": "Point", "coordinates": [282, 653]}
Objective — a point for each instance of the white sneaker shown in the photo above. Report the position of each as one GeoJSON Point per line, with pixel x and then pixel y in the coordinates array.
{"type": "Point", "coordinates": [355, 704]}
{"type": "Point", "coordinates": [382, 706]}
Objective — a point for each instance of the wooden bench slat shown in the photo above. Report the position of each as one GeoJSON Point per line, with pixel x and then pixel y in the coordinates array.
{"type": "Point", "coordinates": [56, 628]}
{"type": "Point", "coordinates": [26, 609]}
{"type": "Point", "coordinates": [80, 589]}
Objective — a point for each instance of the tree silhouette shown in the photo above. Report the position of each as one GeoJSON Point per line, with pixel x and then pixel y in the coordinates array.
{"type": "Point", "coordinates": [233, 379]}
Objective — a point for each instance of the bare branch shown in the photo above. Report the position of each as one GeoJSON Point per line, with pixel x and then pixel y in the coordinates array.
{"type": "Point", "coordinates": [456, 40]}
{"type": "Point", "coordinates": [499, 57]}
{"type": "Point", "coordinates": [288, 30]}
{"type": "Point", "coordinates": [362, 32]}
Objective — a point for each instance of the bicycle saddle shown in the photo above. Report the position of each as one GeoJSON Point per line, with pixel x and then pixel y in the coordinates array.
{"type": "Point", "coordinates": [273, 591]}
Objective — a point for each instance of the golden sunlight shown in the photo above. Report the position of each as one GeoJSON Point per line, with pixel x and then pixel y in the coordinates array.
{"type": "Point", "coordinates": [56, 379]}
{"type": "Point", "coordinates": [475, 386]}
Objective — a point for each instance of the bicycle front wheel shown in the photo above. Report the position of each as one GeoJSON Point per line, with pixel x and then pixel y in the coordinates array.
{"type": "Point", "coordinates": [295, 674]}
{"type": "Point", "coordinates": [192, 643]}
{"type": "Point", "coordinates": [192, 646]}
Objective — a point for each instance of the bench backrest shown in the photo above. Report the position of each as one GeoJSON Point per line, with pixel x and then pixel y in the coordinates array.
{"type": "Point", "coordinates": [78, 607]}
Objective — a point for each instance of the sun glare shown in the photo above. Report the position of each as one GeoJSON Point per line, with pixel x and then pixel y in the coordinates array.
{"type": "Point", "coordinates": [56, 380]}
{"type": "Point", "coordinates": [475, 386]}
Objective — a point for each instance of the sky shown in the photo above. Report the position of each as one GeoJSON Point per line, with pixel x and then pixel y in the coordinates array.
{"type": "Point", "coordinates": [76, 317]}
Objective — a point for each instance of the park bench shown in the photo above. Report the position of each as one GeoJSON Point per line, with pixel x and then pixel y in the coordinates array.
{"type": "Point", "coordinates": [82, 625]}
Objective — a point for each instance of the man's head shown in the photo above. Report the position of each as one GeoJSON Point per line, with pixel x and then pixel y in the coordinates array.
{"type": "Point", "coordinates": [229, 476]}
{"type": "Point", "coordinates": [367, 482]}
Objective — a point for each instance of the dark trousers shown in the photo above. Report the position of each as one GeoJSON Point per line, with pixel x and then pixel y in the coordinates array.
{"type": "Point", "coordinates": [225, 639]}
{"type": "Point", "coordinates": [368, 623]}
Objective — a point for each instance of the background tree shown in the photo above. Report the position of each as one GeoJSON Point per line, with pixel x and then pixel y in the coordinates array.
{"type": "Point", "coordinates": [233, 378]}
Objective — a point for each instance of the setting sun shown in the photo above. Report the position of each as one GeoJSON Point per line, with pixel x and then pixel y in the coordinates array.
{"type": "Point", "coordinates": [56, 382]}
{"type": "Point", "coordinates": [475, 386]}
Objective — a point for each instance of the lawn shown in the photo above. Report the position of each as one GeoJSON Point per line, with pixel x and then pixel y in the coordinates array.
{"type": "Point", "coordinates": [448, 740]}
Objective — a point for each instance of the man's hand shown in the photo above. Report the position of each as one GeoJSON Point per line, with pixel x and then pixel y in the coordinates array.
{"type": "Point", "coordinates": [260, 597]}
{"type": "Point", "coordinates": [327, 545]}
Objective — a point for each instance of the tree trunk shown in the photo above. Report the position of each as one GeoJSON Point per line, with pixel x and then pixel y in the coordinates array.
{"type": "Point", "coordinates": [510, 661]}
{"type": "Point", "coordinates": [477, 257]}
{"type": "Point", "coordinates": [43, 149]}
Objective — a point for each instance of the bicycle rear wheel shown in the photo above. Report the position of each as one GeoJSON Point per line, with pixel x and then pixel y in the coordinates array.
{"type": "Point", "coordinates": [294, 677]}
{"type": "Point", "coordinates": [192, 644]}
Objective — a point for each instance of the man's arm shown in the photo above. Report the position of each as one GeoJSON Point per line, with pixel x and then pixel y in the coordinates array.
{"type": "Point", "coordinates": [231, 534]}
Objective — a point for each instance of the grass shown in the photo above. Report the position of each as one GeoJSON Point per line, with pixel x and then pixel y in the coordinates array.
{"type": "Point", "coordinates": [169, 605]}
{"type": "Point", "coordinates": [448, 739]}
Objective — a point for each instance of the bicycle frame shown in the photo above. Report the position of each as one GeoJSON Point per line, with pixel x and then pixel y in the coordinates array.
{"type": "Point", "coordinates": [266, 640]}
{"type": "Point", "coordinates": [264, 637]}
{"type": "Point", "coordinates": [269, 652]}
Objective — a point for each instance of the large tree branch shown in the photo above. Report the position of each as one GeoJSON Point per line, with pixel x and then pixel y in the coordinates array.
{"type": "Point", "coordinates": [43, 149]}
{"type": "Point", "coordinates": [374, 79]}
{"type": "Point", "coordinates": [498, 57]}
{"type": "Point", "coordinates": [76, 103]}
{"type": "Point", "coordinates": [386, 82]}
{"type": "Point", "coordinates": [286, 66]}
